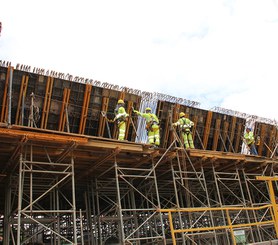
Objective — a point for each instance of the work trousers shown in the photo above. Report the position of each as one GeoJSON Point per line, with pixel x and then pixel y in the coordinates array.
{"type": "Point", "coordinates": [122, 128]}
{"type": "Point", "coordinates": [154, 136]}
{"type": "Point", "coordinates": [188, 140]}
{"type": "Point", "coordinates": [252, 149]}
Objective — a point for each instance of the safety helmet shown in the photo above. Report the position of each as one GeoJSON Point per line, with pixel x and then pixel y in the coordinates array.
{"type": "Point", "coordinates": [121, 102]}
{"type": "Point", "coordinates": [148, 109]}
{"type": "Point", "coordinates": [248, 129]}
{"type": "Point", "coordinates": [182, 114]}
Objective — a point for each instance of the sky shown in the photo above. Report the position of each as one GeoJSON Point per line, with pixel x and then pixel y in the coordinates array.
{"type": "Point", "coordinates": [220, 53]}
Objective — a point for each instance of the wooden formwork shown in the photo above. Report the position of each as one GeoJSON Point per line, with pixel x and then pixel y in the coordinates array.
{"type": "Point", "coordinates": [116, 182]}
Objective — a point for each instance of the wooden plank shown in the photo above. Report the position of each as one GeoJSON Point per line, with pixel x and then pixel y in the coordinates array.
{"type": "Point", "coordinates": [173, 116]}
{"type": "Point", "coordinates": [263, 139]}
{"type": "Point", "coordinates": [4, 112]}
{"type": "Point", "coordinates": [207, 129]}
{"type": "Point", "coordinates": [232, 133]}
{"type": "Point", "coordinates": [224, 135]}
{"type": "Point", "coordinates": [216, 134]}
{"type": "Point", "coordinates": [216, 155]}
{"type": "Point", "coordinates": [21, 98]}
{"type": "Point", "coordinates": [238, 138]}
{"type": "Point", "coordinates": [272, 140]}
{"type": "Point", "coordinates": [176, 111]}
{"type": "Point", "coordinates": [128, 122]}
{"type": "Point", "coordinates": [85, 107]}
{"type": "Point", "coordinates": [42, 136]}
{"type": "Point", "coordinates": [159, 108]}
{"type": "Point", "coordinates": [63, 117]}
{"type": "Point", "coordinates": [122, 96]}
{"type": "Point", "coordinates": [47, 100]}
{"type": "Point", "coordinates": [102, 122]}
{"type": "Point", "coordinates": [159, 112]}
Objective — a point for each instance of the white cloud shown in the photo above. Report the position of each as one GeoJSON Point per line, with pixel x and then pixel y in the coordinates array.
{"type": "Point", "coordinates": [220, 53]}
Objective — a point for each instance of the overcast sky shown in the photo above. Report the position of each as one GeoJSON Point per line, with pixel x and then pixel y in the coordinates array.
{"type": "Point", "coordinates": [220, 53]}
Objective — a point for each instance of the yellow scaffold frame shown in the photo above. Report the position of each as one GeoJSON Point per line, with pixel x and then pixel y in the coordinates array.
{"type": "Point", "coordinates": [273, 207]}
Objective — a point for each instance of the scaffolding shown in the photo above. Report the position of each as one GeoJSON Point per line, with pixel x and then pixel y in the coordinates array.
{"type": "Point", "coordinates": [84, 187]}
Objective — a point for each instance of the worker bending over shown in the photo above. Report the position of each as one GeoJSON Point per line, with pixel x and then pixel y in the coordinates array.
{"type": "Point", "coordinates": [250, 141]}
{"type": "Point", "coordinates": [185, 125]}
{"type": "Point", "coordinates": [152, 126]}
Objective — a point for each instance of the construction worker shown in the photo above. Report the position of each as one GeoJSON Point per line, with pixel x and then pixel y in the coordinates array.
{"type": "Point", "coordinates": [120, 118]}
{"type": "Point", "coordinates": [250, 141]}
{"type": "Point", "coordinates": [152, 126]}
{"type": "Point", "coordinates": [185, 125]}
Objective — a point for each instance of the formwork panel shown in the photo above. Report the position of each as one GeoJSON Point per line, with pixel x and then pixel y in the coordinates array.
{"type": "Point", "coordinates": [123, 186]}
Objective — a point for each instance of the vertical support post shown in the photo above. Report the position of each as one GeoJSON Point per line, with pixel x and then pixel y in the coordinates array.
{"type": "Point", "coordinates": [102, 120]}
{"type": "Point", "coordinates": [85, 107]}
{"type": "Point", "coordinates": [272, 198]}
{"type": "Point", "coordinates": [57, 207]}
{"type": "Point", "coordinates": [121, 225]}
{"type": "Point", "coordinates": [224, 137]}
{"type": "Point", "coordinates": [73, 201]}
{"type": "Point", "coordinates": [231, 227]}
{"type": "Point", "coordinates": [158, 202]}
{"type": "Point", "coordinates": [10, 97]}
{"type": "Point", "coordinates": [19, 119]}
{"type": "Point", "coordinates": [220, 199]}
{"type": "Point", "coordinates": [207, 129]}
{"type": "Point", "coordinates": [19, 204]}
{"type": "Point", "coordinates": [88, 215]}
{"type": "Point", "coordinates": [47, 100]}
{"type": "Point", "coordinates": [63, 114]}
{"type": "Point", "coordinates": [5, 98]}
{"type": "Point", "coordinates": [244, 201]}
{"type": "Point", "coordinates": [172, 228]}
{"type": "Point", "coordinates": [216, 134]}
{"type": "Point", "coordinates": [177, 199]}
{"type": "Point", "coordinates": [128, 111]}
{"type": "Point", "coordinates": [232, 134]}
{"type": "Point", "coordinates": [209, 204]}
{"type": "Point", "coordinates": [7, 226]}
{"type": "Point", "coordinates": [238, 138]}
{"type": "Point", "coordinates": [251, 201]}
{"type": "Point", "coordinates": [275, 206]}
{"type": "Point", "coordinates": [263, 139]}
{"type": "Point", "coordinates": [81, 227]}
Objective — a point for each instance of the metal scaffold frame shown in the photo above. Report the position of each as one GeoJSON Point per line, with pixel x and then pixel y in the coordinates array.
{"type": "Point", "coordinates": [214, 205]}
{"type": "Point", "coordinates": [40, 182]}
{"type": "Point", "coordinates": [132, 194]}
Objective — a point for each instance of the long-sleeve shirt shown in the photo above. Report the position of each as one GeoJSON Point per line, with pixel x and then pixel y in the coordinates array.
{"type": "Point", "coordinates": [120, 114]}
{"type": "Point", "coordinates": [249, 137]}
{"type": "Point", "coordinates": [184, 123]}
{"type": "Point", "coordinates": [150, 117]}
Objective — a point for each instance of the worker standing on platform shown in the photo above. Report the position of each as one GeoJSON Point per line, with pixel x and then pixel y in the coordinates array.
{"type": "Point", "coordinates": [152, 126]}
{"type": "Point", "coordinates": [185, 125]}
{"type": "Point", "coordinates": [250, 141]}
{"type": "Point", "coordinates": [120, 118]}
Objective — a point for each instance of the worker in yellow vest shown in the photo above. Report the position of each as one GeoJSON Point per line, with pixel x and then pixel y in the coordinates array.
{"type": "Point", "coordinates": [185, 125]}
{"type": "Point", "coordinates": [121, 117]}
{"type": "Point", "coordinates": [250, 141]}
{"type": "Point", "coordinates": [152, 126]}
